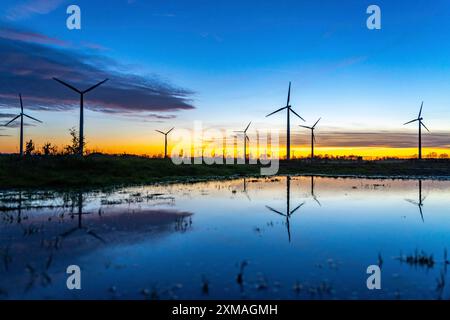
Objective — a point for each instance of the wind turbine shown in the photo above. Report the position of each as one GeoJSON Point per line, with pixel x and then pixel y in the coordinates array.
{"type": "Point", "coordinates": [246, 138]}
{"type": "Point", "coordinates": [81, 93]}
{"type": "Point", "coordinates": [419, 118]}
{"type": "Point", "coordinates": [21, 115]}
{"type": "Point", "coordinates": [289, 109]}
{"type": "Point", "coordinates": [165, 140]}
{"type": "Point", "coordinates": [313, 137]}
{"type": "Point", "coordinates": [288, 213]}
{"type": "Point", "coordinates": [420, 202]}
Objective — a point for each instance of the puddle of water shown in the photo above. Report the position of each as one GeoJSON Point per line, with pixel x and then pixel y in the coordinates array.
{"type": "Point", "coordinates": [268, 238]}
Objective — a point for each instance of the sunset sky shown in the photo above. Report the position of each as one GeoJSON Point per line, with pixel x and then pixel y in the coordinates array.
{"type": "Point", "coordinates": [226, 63]}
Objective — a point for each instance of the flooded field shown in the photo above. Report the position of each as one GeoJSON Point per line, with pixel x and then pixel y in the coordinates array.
{"type": "Point", "coordinates": [268, 238]}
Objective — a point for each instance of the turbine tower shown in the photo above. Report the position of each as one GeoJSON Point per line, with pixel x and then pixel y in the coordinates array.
{"type": "Point", "coordinates": [313, 137]}
{"type": "Point", "coordinates": [289, 109]}
{"type": "Point", "coordinates": [81, 93]}
{"type": "Point", "coordinates": [165, 140]}
{"type": "Point", "coordinates": [246, 138]}
{"type": "Point", "coordinates": [21, 115]}
{"type": "Point", "coordinates": [419, 118]}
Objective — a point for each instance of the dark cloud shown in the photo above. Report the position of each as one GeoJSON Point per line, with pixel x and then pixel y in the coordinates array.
{"type": "Point", "coordinates": [7, 115]}
{"type": "Point", "coordinates": [28, 61]}
{"type": "Point", "coordinates": [375, 139]}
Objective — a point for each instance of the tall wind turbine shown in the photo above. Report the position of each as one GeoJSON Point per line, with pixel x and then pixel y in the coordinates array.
{"type": "Point", "coordinates": [246, 138]}
{"type": "Point", "coordinates": [81, 93]}
{"type": "Point", "coordinates": [21, 115]}
{"type": "Point", "coordinates": [165, 140]}
{"type": "Point", "coordinates": [313, 137]}
{"type": "Point", "coordinates": [289, 109]}
{"type": "Point", "coordinates": [419, 118]}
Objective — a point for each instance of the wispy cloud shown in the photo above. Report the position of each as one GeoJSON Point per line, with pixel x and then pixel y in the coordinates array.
{"type": "Point", "coordinates": [30, 8]}
{"type": "Point", "coordinates": [28, 66]}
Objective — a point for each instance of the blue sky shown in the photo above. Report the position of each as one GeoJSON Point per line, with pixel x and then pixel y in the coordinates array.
{"type": "Point", "coordinates": [237, 57]}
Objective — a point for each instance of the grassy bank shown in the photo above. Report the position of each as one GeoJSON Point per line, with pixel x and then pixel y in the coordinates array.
{"type": "Point", "coordinates": [102, 170]}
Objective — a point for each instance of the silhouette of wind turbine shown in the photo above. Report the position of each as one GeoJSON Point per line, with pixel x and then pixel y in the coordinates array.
{"type": "Point", "coordinates": [289, 109]}
{"type": "Point", "coordinates": [246, 138]}
{"type": "Point", "coordinates": [419, 118]}
{"type": "Point", "coordinates": [165, 140]}
{"type": "Point", "coordinates": [288, 213]}
{"type": "Point", "coordinates": [420, 202]}
{"type": "Point", "coordinates": [21, 115]}
{"type": "Point", "coordinates": [81, 93]}
{"type": "Point", "coordinates": [313, 137]}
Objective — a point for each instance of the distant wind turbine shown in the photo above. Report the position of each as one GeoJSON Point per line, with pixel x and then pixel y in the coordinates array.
{"type": "Point", "coordinates": [246, 138]}
{"type": "Point", "coordinates": [288, 130]}
{"type": "Point", "coordinates": [313, 137]}
{"type": "Point", "coordinates": [21, 115]}
{"type": "Point", "coordinates": [81, 93]}
{"type": "Point", "coordinates": [419, 118]}
{"type": "Point", "coordinates": [165, 140]}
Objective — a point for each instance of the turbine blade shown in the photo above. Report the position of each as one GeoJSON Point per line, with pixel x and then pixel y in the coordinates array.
{"type": "Point", "coordinates": [420, 112]}
{"type": "Point", "coordinates": [246, 137]}
{"type": "Point", "coordinates": [424, 126]}
{"type": "Point", "coordinates": [275, 111]}
{"type": "Point", "coordinates": [296, 114]}
{"type": "Point", "coordinates": [12, 120]}
{"type": "Point", "coordinates": [247, 126]}
{"type": "Point", "coordinates": [276, 211]}
{"type": "Point", "coordinates": [421, 213]}
{"type": "Point", "coordinates": [95, 86]}
{"type": "Point", "coordinates": [21, 104]}
{"type": "Point", "coordinates": [32, 118]}
{"type": "Point", "coordinates": [160, 132]}
{"type": "Point", "coordinates": [305, 127]}
{"type": "Point", "coordinates": [318, 202]}
{"type": "Point", "coordinates": [170, 130]}
{"type": "Point", "coordinates": [289, 95]}
{"type": "Point", "coordinates": [316, 123]}
{"type": "Point", "coordinates": [412, 202]}
{"type": "Point", "coordinates": [68, 85]}
{"type": "Point", "coordinates": [411, 121]}
{"type": "Point", "coordinates": [292, 212]}
{"type": "Point", "coordinates": [314, 137]}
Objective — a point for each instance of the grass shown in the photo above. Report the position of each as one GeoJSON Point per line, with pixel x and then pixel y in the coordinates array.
{"type": "Point", "coordinates": [107, 170]}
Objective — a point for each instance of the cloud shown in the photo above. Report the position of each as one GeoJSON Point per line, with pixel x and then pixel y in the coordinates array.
{"type": "Point", "coordinates": [30, 8]}
{"type": "Point", "coordinates": [28, 65]}
{"type": "Point", "coordinates": [381, 139]}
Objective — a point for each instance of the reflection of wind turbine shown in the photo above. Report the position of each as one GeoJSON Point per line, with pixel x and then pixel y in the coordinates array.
{"type": "Point", "coordinates": [165, 140]}
{"type": "Point", "coordinates": [81, 93]}
{"type": "Point", "coordinates": [245, 190]}
{"type": "Point", "coordinates": [419, 118]}
{"type": "Point", "coordinates": [288, 213]}
{"type": "Point", "coordinates": [21, 123]}
{"type": "Point", "coordinates": [80, 225]}
{"type": "Point", "coordinates": [312, 191]}
{"type": "Point", "coordinates": [313, 137]}
{"type": "Point", "coordinates": [420, 202]}
{"type": "Point", "coordinates": [289, 109]}
{"type": "Point", "coordinates": [246, 138]}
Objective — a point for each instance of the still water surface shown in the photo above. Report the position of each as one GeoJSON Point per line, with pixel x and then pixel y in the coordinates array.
{"type": "Point", "coordinates": [268, 238]}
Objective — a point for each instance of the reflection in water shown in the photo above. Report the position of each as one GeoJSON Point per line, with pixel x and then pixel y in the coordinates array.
{"type": "Point", "coordinates": [312, 191]}
{"type": "Point", "coordinates": [420, 202]}
{"type": "Point", "coordinates": [289, 212]}
{"type": "Point", "coordinates": [80, 227]}
{"type": "Point", "coordinates": [144, 242]}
